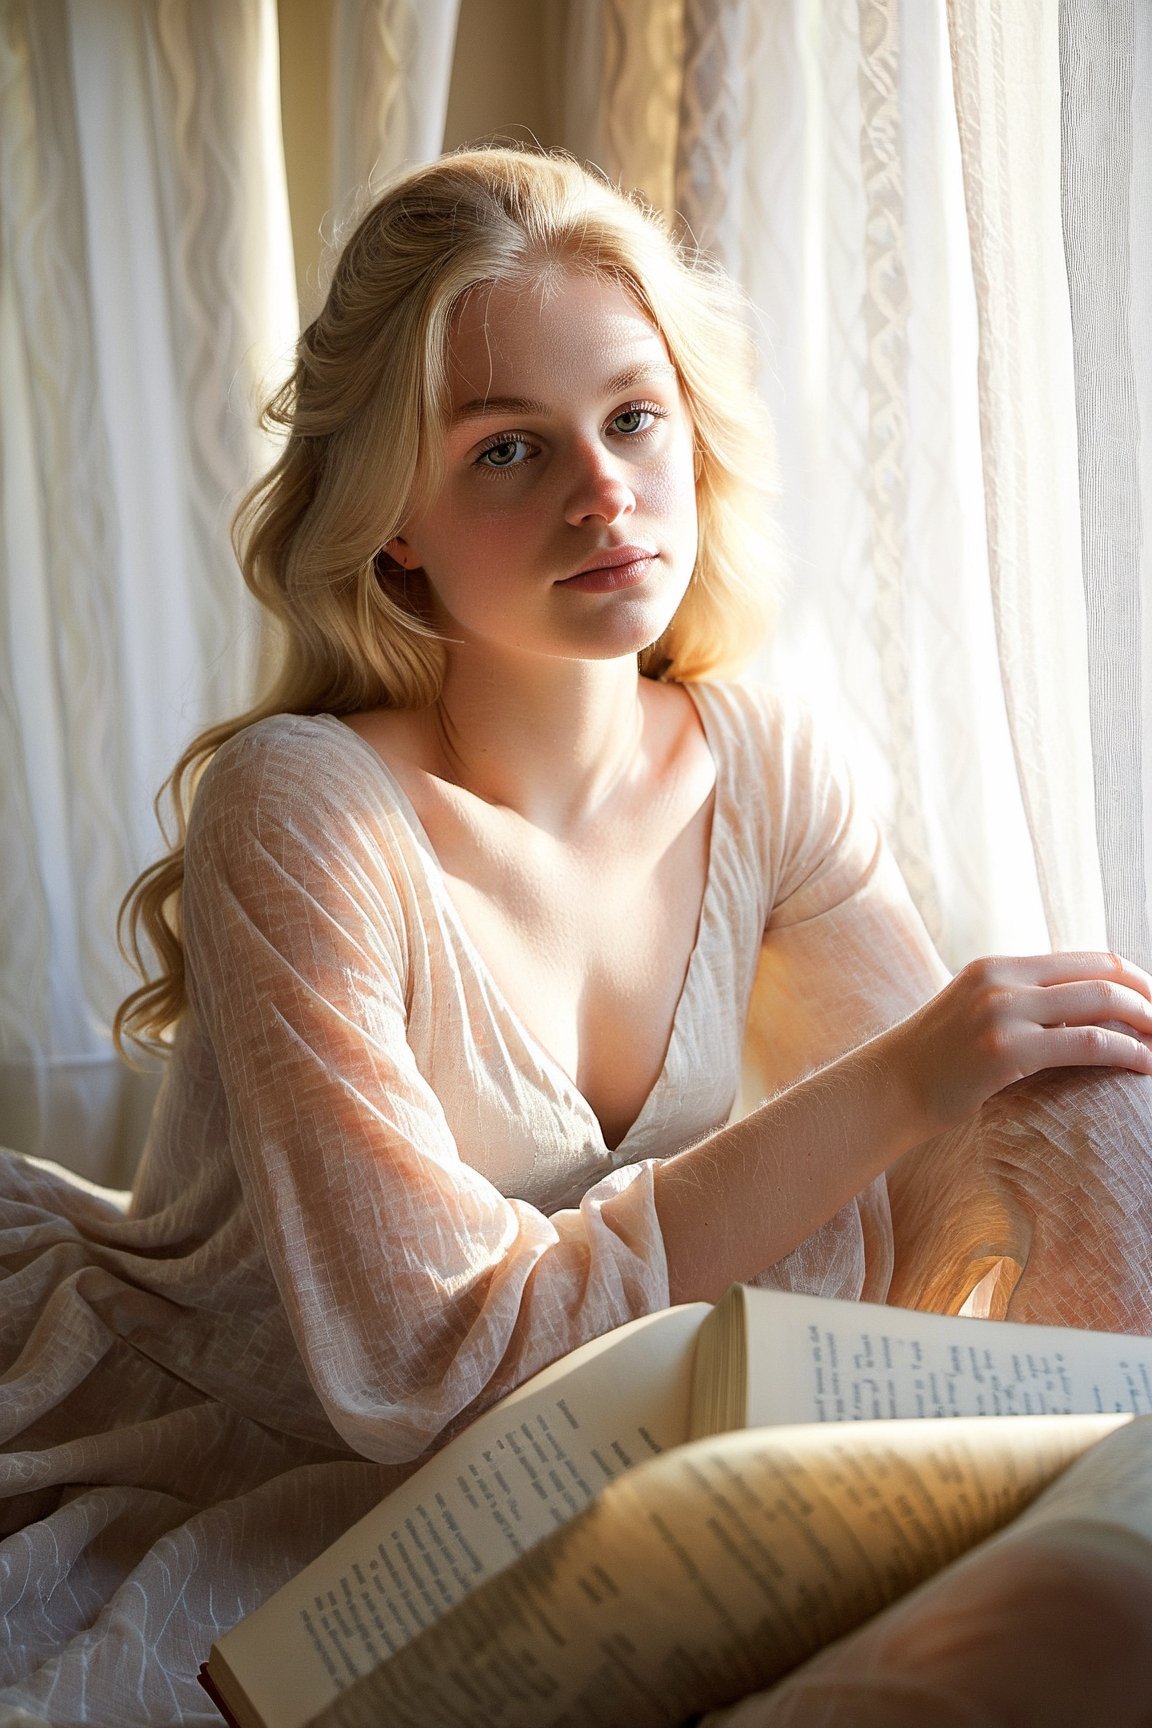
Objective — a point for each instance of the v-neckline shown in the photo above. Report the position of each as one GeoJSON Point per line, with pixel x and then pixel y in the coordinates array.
{"type": "Point", "coordinates": [544, 1057]}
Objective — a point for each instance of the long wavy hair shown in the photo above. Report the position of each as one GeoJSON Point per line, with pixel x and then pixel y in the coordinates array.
{"type": "Point", "coordinates": [364, 411]}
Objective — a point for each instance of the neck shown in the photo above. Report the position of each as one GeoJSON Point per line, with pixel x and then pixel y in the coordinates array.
{"type": "Point", "coordinates": [551, 739]}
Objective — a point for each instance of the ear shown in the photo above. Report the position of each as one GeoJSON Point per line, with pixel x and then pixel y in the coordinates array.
{"type": "Point", "coordinates": [403, 554]}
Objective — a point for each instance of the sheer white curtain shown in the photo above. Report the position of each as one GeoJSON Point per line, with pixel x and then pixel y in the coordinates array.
{"type": "Point", "coordinates": [145, 295]}
{"type": "Point", "coordinates": [391, 71]}
{"type": "Point", "coordinates": [900, 187]}
{"type": "Point", "coordinates": [1007, 93]}
{"type": "Point", "coordinates": [1105, 53]}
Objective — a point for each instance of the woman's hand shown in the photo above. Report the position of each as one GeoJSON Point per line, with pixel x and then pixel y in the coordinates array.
{"type": "Point", "coordinates": [1002, 1019]}
{"type": "Point", "coordinates": [749, 1194]}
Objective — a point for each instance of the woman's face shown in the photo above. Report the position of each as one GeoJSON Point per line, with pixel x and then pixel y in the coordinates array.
{"type": "Point", "coordinates": [565, 523]}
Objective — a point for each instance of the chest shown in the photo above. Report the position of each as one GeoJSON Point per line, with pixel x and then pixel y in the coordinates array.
{"type": "Point", "coordinates": [584, 934]}
{"type": "Point", "coordinates": [591, 953]}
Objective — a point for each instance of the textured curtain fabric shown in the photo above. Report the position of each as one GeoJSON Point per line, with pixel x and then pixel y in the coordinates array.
{"type": "Point", "coordinates": [1106, 201]}
{"type": "Point", "coordinates": [391, 70]}
{"type": "Point", "coordinates": [145, 296]}
{"type": "Point", "coordinates": [1007, 90]}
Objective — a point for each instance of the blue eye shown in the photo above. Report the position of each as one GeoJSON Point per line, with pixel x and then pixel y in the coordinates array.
{"type": "Point", "coordinates": [636, 418]}
{"type": "Point", "coordinates": [502, 453]}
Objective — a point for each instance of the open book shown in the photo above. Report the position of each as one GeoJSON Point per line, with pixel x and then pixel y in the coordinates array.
{"type": "Point", "coordinates": [677, 1513]}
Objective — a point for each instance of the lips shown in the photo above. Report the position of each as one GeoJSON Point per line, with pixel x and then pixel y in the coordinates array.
{"type": "Point", "coordinates": [612, 567]}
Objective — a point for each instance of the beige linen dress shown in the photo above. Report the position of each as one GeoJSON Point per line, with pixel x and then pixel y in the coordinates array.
{"type": "Point", "coordinates": [371, 1203]}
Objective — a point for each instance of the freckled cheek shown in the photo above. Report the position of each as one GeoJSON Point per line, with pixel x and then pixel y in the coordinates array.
{"type": "Point", "coordinates": [490, 536]}
{"type": "Point", "coordinates": [670, 493]}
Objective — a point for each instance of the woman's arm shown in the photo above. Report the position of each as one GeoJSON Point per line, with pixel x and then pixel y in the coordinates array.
{"type": "Point", "coordinates": [856, 1036]}
{"type": "Point", "coordinates": [747, 1196]}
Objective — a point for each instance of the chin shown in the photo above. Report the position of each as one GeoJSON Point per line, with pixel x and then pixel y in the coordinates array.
{"type": "Point", "coordinates": [620, 644]}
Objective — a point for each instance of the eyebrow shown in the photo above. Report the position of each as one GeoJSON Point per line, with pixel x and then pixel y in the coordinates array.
{"type": "Point", "coordinates": [482, 407]}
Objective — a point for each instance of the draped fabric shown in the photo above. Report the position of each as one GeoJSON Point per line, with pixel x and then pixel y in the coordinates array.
{"type": "Point", "coordinates": [391, 66]}
{"type": "Point", "coordinates": [1106, 203]}
{"type": "Point", "coordinates": [1007, 93]}
{"type": "Point", "coordinates": [145, 294]}
{"type": "Point", "coordinates": [373, 1201]}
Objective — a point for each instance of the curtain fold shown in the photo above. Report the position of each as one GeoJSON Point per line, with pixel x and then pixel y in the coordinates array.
{"type": "Point", "coordinates": [1106, 203]}
{"type": "Point", "coordinates": [145, 300]}
{"type": "Point", "coordinates": [1007, 91]}
{"type": "Point", "coordinates": [391, 71]}
{"type": "Point", "coordinates": [46, 431]}
{"type": "Point", "coordinates": [886, 311]}
{"type": "Point", "coordinates": [620, 98]}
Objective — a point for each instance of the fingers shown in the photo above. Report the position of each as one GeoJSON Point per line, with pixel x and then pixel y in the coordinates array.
{"type": "Point", "coordinates": [1097, 1002]}
{"type": "Point", "coordinates": [1092, 1047]}
{"type": "Point", "coordinates": [1003, 1018]}
{"type": "Point", "coordinates": [1127, 972]}
{"type": "Point", "coordinates": [1047, 970]}
{"type": "Point", "coordinates": [1054, 1011]}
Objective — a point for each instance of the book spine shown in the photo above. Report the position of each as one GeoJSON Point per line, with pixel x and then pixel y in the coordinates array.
{"type": "Point", "coordinates": [206, 1681]}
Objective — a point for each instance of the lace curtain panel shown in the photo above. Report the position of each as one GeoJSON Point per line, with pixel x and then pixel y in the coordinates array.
{"type": "Point", "coordinates": [146, 291]}
{"type": "Point", "coordinates": [940, 212]}
{"type": "Point", "coordinates": [1106, 200]}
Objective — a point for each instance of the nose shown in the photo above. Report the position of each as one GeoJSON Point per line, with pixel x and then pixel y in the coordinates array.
{"type": "Point", "coordinates": [600, 487]}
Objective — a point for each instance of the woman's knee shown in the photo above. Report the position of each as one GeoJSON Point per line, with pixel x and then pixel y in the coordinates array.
{"type": "Point", "coordinates": [1049, 1628]}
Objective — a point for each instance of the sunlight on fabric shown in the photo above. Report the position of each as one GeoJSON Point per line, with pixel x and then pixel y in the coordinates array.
{"type": "Point", "coordinates": [276, 319]}
{"type": "Point", "coordinates": [148, 302]}
{"type": "Point", "coordinates": [859, 260]}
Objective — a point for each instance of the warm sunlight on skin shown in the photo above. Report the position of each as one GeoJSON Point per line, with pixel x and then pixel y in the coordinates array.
{"type": "Point", "coordinates": [565, 525]}
{"type": "Point", "coordinates": [558, 542]}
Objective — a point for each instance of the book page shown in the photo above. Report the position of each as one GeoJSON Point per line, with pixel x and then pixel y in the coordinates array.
{"type": "Point", "coordinates": [709, 1572]}
{"type": "Point", "coordinates": [521, 1470]}
{"type": "Point", "coordinates": [812, 1359]}
{"type": "Point", "coordinates": [1111, 1485]}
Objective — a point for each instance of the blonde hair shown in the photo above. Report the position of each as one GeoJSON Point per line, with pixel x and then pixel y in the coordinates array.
{"type": "Point", "coordinates": [364, 410]}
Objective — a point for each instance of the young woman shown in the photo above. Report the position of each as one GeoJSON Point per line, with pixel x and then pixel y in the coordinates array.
{"type": "Point", "coordinates": [459, 951]}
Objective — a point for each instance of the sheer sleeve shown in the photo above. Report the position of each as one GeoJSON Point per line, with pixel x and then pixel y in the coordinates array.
{"type": "Point", "coordinates": [416, 1292]}
{"type": "Point", "coordinates": [1039, 1206]}
{"type": "Point", "coordinates": [845, 953]}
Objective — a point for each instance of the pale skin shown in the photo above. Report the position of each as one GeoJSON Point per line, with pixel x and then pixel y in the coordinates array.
{"type": "Point", "coordinates": [569, 800]}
